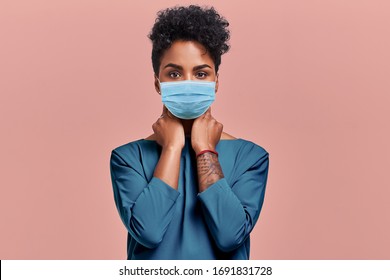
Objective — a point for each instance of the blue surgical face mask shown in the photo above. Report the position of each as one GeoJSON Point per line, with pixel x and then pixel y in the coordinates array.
{"type": "Point", "coordinates": [187, 99]}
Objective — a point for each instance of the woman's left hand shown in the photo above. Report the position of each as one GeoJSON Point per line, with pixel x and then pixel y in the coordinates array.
{"type": "Point", "coordinates": [206, 132]}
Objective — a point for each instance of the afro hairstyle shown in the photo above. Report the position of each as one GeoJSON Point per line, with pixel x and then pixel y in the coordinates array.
{"type": "Point", "coordinates": [192, 23]}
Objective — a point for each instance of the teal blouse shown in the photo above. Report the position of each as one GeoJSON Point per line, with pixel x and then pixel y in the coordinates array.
{"type": "Point", "coordinates": [165, 223]}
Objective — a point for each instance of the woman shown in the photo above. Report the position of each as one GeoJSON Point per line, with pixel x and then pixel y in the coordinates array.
{"type": "Point", "coordinates": [189, 190]}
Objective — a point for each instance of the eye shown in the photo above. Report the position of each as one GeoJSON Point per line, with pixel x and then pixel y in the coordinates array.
{"type": "Point", "coordinates": [174, 74]}
{"type": "Point", "coordinates": [201, 75]}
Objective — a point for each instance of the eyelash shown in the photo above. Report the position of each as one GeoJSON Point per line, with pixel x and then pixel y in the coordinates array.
{"type": "Point", "coordinates": [204, 74]}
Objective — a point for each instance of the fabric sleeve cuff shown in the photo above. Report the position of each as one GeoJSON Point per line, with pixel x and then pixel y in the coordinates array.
{"type": "Point", "coordinates": [164, 188]}
{"type": "Point", "coordinates": [212, 190]}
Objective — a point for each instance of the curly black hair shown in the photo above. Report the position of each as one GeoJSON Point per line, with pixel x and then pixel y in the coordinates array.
{"type": "Point", "coordinates": [192, 23]}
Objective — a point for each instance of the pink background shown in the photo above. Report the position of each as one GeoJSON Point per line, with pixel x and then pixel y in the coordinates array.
{"type": "Point", "coordinates": [307, 80]}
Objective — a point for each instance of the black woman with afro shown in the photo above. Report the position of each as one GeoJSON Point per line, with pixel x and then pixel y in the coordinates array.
{"type": "Point", "coordinates": [189, 190]}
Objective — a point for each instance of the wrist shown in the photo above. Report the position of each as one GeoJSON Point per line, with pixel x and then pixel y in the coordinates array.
{"type": "Point", "coordinates": [211, 152]}
{"type": "Point", "coordinates": [198, 150]}
{"type": "Point", "coordinates": [172, 149]}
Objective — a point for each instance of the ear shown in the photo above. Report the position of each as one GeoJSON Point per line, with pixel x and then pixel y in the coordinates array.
{"type": "Point", "coordinates": [157, 84]}
{"type": "Point", "coordinates": [216, 84]}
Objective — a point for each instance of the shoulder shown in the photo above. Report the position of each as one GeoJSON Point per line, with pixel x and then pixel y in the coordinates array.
{"type": "Point", "coordinates": [227, 136]}
{"type": "Point", "coordinates": [250, 154]}
{"type": "Point", "coordinates": [252, 147]}
{"type": "Point", "coordinates": [151, 137]}
{"type": "Point", "coordinates": [128, 152]}
{"type": "Point", "coordinates": [224, 136]}
{"type": "Point", "coordinates": [248, 146]}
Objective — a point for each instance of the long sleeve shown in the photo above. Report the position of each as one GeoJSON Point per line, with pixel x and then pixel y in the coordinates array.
{"type": "Point", "coordinates": [145, 208]}
{"type": "Point", "coordinates": [231, 212]}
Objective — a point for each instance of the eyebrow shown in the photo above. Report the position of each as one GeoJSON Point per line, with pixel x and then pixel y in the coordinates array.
{"type": "Point", "coordinates": [181, 67]}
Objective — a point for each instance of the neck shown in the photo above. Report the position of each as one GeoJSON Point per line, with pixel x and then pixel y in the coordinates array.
{"type": "Point", "coordinates": [187, 125]}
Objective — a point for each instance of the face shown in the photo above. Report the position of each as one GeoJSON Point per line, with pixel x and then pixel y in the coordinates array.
{"type": "Point", "coordinates": [186, 60]}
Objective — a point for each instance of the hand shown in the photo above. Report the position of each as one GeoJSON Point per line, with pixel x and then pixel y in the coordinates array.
{"type": "Point", "coordinates": [206, 132]}
{"type": "Point", "coordinates": [169, 131]}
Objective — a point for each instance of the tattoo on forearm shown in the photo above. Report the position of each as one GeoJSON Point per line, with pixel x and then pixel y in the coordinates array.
{"type": "Point", "coordinates": [209, 170]}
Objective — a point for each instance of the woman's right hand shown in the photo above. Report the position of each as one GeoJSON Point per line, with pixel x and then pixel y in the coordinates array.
{"type": "Point", "coordinates": [169, 131]}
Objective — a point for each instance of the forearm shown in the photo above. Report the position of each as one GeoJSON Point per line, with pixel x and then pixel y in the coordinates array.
{"type": "Point", "coordinates": [168, 166]}
{"type": "Point", "coordinates": [209, 170]}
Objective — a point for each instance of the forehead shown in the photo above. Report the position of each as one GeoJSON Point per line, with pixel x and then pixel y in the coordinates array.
{"type": "Point", "coordinates": [186, 54]}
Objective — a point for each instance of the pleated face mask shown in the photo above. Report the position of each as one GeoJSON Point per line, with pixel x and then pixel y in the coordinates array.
{"type": "Point", "coordinates": [187, 99]}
